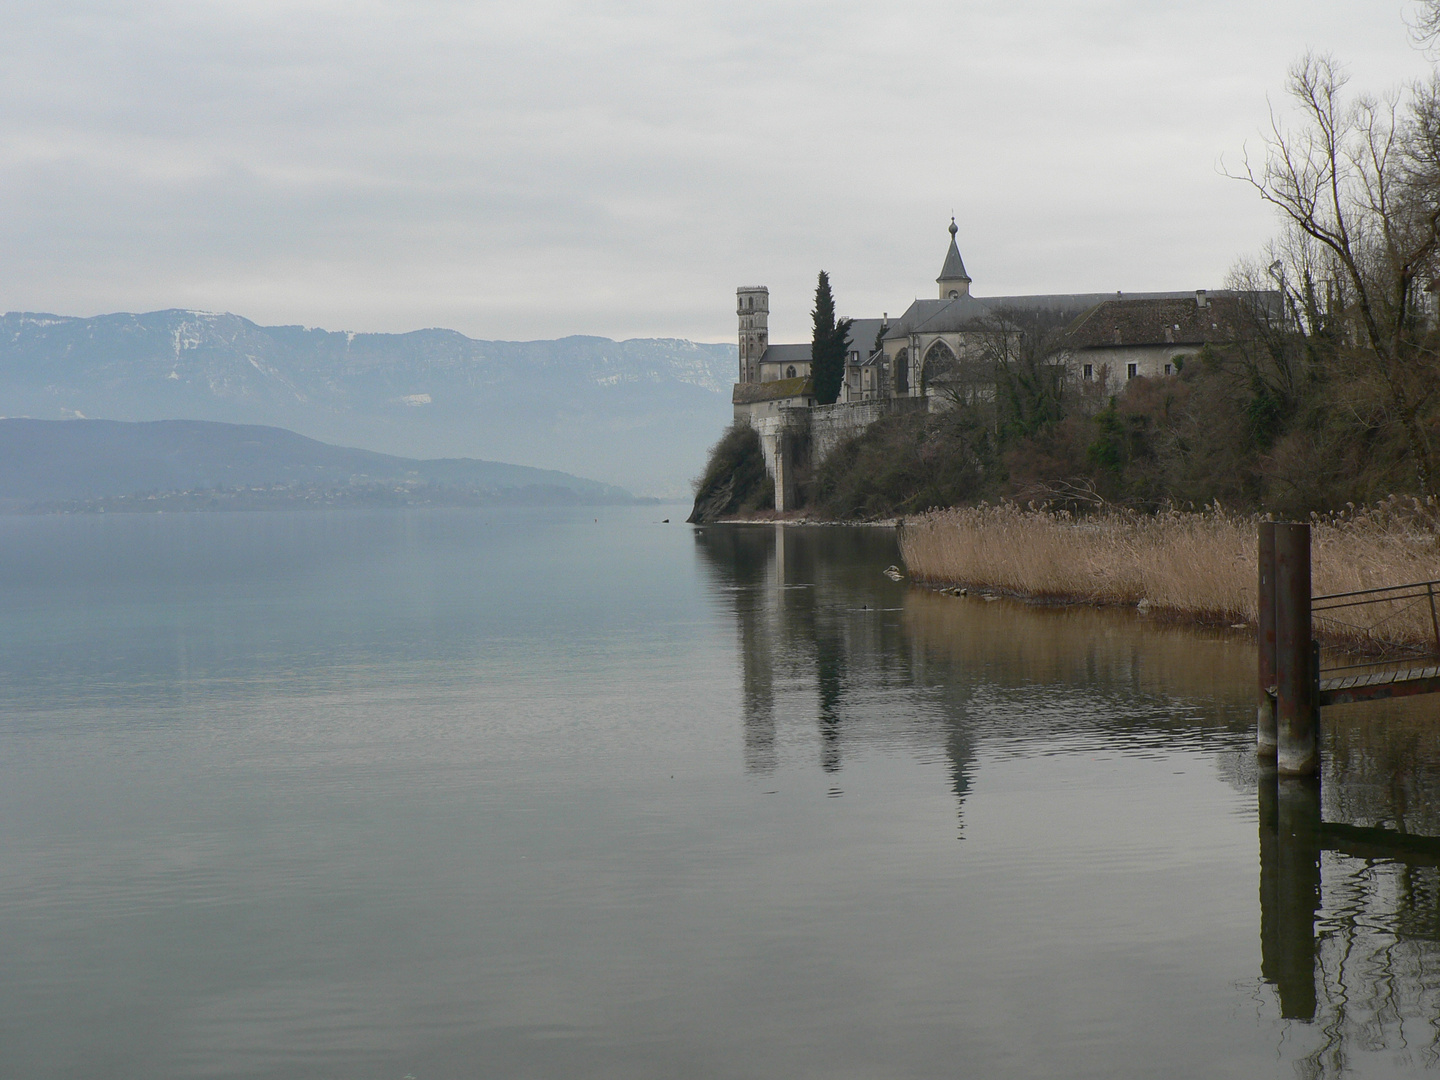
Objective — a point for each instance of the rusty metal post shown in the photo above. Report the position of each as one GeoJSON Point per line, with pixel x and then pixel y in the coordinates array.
{"type": "Point", "coordinates": [1434, 620]}
{"type": "Point", "coordinates": [1265, 737]}
{"type": "Point", "coordinates": [1297, 703]}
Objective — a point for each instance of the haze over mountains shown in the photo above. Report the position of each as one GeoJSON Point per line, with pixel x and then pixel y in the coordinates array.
{"type": "Point", "coordinates": [639, 414]}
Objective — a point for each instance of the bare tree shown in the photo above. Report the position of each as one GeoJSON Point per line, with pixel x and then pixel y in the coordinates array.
{"type": "Point", "coordinates": [1029, 384]}
{"type": "Point", "coordinates": [1426, 27]}
{"type": "Point", "coordinates": [1359, 181]}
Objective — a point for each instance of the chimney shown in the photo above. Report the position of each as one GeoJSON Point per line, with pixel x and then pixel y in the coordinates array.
{"type": "Point", "coordinates": [1200, 300]}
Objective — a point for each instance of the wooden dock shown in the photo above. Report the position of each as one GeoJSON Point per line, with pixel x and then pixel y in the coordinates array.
{"type": "Point", "coordinates": [1374, 685]}
{"type": "Point", "coordinates": [1293, 687]}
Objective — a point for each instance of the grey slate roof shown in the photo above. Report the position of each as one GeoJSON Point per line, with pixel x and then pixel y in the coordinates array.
{"type": "Point", "coordinates": [862, 337]}
{"type": "Point", "coordinates": [861, 340]}
{"type": "Point", "coordinates": [975, 312]}
{"type": "Point", "coordinates": [954, 268]}
{"type": "Point", "coordinates": [786, 354]}
{"type": "Point", "coordinates": [942, 316]}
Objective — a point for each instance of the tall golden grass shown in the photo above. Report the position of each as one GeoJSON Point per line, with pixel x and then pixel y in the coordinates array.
{"type": "Point", "coordinates": [1193, 564]}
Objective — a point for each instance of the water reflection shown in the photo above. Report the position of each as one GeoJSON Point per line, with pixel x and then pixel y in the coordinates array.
{"type": "Point", "coordinates": [1349, 870]}
{"type": "Point", "coordinates": [817, 636]}
{"type": "Point", "coordinates": [824, 636]}
{"type": "Point", "coordinates": [1350, 913]}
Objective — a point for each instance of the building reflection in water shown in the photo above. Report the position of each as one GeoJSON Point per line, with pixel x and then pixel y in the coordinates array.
{"type": "Point", "coordinates": [818, 632]}
{"type": "Point", "coordinates": [1349, 873]}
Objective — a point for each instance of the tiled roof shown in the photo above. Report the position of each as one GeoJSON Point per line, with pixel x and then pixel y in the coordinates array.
{"type": "Point", "coordinates": [750, 393]}
{"type": "Point", "coordinates": [1158, 322]}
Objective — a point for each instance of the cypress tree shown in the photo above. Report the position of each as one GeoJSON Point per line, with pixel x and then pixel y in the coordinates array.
{"type": "Point", "coordinates": [827, 344]}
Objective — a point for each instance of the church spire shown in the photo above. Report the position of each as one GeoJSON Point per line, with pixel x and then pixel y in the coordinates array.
{"type": "Point", "coordinates": [953, 280]}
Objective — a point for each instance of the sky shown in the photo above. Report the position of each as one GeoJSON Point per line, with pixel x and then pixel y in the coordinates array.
{"type": "Point", "coordinates": [534, 170]}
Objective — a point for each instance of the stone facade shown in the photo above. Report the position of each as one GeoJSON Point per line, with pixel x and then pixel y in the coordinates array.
{"type": "Point", "coordinates": [793, 437]}
{"type": "Point", "coordinates": [1125, 339]}
{"type": "Point", "coordinates": [752, 307]}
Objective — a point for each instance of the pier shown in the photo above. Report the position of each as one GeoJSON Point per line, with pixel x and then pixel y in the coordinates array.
{"type": "Point", "coordinates": [1293, 686]}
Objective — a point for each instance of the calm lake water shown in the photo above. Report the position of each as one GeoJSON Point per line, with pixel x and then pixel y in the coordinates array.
{"type": "Point", "coordinates": [527, 794]}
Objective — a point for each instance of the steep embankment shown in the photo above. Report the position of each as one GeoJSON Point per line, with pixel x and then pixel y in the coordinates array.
{"type": "Point", "coordinates": [734, 480]}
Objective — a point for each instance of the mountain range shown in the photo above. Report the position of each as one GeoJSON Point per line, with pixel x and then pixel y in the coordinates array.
{"type": "Point", "coordinates": [638, 414]}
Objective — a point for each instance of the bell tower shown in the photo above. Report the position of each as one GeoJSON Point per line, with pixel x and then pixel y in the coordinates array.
{"type": "Point", "coordinates": [752, 306]}
{"type": "Point", "coordinates": [953, 280]}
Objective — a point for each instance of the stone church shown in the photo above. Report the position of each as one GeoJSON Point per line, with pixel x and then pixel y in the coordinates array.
{"type": "Point", "coordinates": [938, 352]}
{"type": "Point", "coordinates": [1113, 337]}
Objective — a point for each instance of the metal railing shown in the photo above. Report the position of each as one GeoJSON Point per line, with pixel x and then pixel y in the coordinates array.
{"type": "Point", "coordinates": [1391, 620]}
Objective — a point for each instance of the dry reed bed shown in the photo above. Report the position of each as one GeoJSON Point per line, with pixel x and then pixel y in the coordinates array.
{"type": "Point", "coordinates": [1198, 565]}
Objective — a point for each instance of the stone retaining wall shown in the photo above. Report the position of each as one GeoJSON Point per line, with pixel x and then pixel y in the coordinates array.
{"type": "Point", "coordinates": [797, 435]}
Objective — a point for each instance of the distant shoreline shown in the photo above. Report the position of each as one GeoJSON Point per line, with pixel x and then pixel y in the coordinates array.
{"type": "Point", "coordinates": [290, 499]}
{"type": "Point", "coordinates": [883, 523]}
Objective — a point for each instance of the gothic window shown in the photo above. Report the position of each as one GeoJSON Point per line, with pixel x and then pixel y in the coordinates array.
{"type": "Point", "coordinates": [750, 302]}
{"type": "Point", "coordinates": [902, 371]}
{"type": "Point", "coordinates": [939, 360]}
{"type": "Point", "coordinates": [790, 372]}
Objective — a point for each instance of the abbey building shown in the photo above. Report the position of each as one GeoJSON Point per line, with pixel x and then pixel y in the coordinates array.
{"type": "Point", "coordinates": [1111, 337]}
{"type": "Point", "coordinates": [942, 351]}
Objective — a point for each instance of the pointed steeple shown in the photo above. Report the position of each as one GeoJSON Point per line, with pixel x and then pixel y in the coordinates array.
{"type": "Point", "coordinates": [953, 280]}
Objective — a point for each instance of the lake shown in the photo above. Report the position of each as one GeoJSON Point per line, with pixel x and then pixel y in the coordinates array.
{"type": "Point", "coordinates": [543, 793]}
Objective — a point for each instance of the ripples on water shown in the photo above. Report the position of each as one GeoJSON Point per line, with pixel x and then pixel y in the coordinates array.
{"type": "Point", "coordinates": [531, 794]}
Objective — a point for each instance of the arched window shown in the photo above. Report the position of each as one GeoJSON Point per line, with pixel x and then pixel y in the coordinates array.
{"type": "Point", "coordinates": [939, 360]}
{"type": "Point", "coordinates": [902, 372]}
{"type": "Point", "coordinates": [954, 295]}
{"type": "Point", "coordinates": [751, 303]}
{"type": "Point", "coordinates": [790, 372]}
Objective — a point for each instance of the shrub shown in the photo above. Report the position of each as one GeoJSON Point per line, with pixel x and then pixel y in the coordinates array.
{"type": "Point", "coordinates": [734, 480]}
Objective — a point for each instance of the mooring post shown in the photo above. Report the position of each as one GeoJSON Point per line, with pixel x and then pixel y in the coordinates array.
{"type": "Point", "coordinates": [1265, 737]}
{"type": "Point", "coordinates": [1297, 704]}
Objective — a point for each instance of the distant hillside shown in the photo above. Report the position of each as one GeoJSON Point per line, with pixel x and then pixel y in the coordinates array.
{"type": "Point", "coordinates": [639, 413]}
{"type": "Point", "coordinates": [55, 460]}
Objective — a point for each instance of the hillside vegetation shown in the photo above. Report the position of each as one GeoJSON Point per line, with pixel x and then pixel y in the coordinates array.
{"type": "Point", "coordinates": [1328, 393]}
{"type": "Point", "coordinates": [1276, 424]}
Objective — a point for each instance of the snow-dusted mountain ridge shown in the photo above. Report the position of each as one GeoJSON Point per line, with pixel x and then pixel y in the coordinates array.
{"type": "Point", "coordinates": [638, 413]}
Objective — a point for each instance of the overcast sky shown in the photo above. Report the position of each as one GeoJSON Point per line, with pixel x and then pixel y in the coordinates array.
{"type": "Point", "coordinates": [530, 170]}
